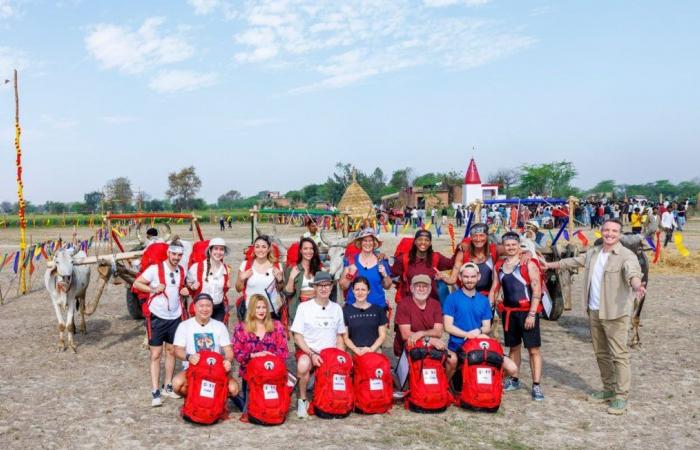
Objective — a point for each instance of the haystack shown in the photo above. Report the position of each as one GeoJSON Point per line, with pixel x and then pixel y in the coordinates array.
{"type": "Point", "coordinates": [355, 202]}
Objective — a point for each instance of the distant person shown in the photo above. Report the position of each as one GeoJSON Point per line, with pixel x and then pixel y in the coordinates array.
{"type": "Point", "coordinates": [636, 221]}
{"type": "Point", "coordinates": [443, 213]}
{"type": "Point", "coordinates": [222, 226]}
{"type": "Point", "coordinates": [668, 223]}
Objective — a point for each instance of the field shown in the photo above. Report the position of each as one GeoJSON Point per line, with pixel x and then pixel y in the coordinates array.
{"type": "Point", "coordinates": [99, 397]}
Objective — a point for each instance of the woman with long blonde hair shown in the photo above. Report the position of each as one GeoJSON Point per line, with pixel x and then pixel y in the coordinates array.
{"type": "Point", "coordinates": [258, 335]}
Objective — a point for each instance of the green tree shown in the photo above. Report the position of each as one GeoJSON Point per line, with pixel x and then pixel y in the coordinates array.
{"type": "Point", "coordinates": [118, 193]}
{"type": "Point", "coordinates": [93, 201]}
{"type": "Point", "coordinates": [400, 179]}
{"type": "Point", "coordinates": [551, 179]}
{"type": "Point", "coordinates": [228, 199]}
{"type": "Point", "coordinates": [183, 187]}
{"type": "Point", "coordinates": [507, 178]}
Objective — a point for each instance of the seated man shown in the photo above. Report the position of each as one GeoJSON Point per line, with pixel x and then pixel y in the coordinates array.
{"type": "Point", "coordinates": [417, 317]}
{"type": "Point", "coordinates": [467, 315]}
{"type": "Point", "coordinates": [198, 333]}
{"type": "Point", "coordinates": [318, 324]}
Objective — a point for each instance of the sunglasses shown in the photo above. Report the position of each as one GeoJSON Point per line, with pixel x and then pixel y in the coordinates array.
{"type": "Point", "coordinates": [172, 276]}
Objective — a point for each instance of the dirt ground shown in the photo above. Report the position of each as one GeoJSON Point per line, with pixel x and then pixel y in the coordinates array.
{"type": "Point", "coordinates": [100, 396]}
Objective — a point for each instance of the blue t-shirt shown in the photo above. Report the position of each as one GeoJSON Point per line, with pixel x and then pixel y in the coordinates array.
{"type": "Point", "coordinates": [467, 312]}
{"type": "Point", "coordinates": [376, 290]}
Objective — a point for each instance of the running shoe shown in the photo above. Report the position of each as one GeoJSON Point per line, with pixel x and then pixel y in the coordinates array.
{"type": "Point", "coordinates": [511, 385]}
{"type": "Point", "coordinates": [302, 407]}
{"type": "Point", "coordinates": [169, 392]}
{"type": "Point", "coordinates": [156, 399]}
{"type": "Point", "coordinates": [537, 394]}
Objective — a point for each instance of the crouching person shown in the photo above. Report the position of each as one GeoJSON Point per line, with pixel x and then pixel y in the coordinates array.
{"type": "Point", "coordinates": [318, 325]}
{"type": "Point", "coordinates": [202, 333]}
{"type": "Point", "coordinates": [467, 315]}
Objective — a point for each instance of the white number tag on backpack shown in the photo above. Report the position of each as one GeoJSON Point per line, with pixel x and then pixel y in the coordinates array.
{"type": "Point", "coordinates": [270, 392]}
{"type": "Point", "coordinates": [207, 389]}
{"type": "Point", "coordinates": [376, 384]}
{"type": "Point", "coordinates": [430, 376]}
{"type": "Point", "coordinates": [483, 375]}
{"type": "Point", "coordinates": [338, 382]}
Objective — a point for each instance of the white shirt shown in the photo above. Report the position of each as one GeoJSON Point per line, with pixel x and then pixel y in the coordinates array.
{"type": "Point", "coordinates": [264, 284]}
{"type": "Point", "coordinates": [165, 306]}
{"type": "Point", "coordinates": [597, 281]}
{"type": "Point", "coordinates": [214, 286]}
{"type": "Point", "coordinates": [195, 337]}
{"type": "Point", "coordinates": [667, 220]}
{"type": "Point", "coordinates": [319, 325]}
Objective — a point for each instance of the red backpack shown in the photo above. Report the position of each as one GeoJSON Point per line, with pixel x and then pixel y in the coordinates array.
{"type": "Point", "coordinates": [269, 394]}
{"type": "Point", "coordinates": [292, 255]}
{"type": "Point", "coordinates": [373, 384]}
{"type": "Point", "coordinates": [427, 380]}
{"type": "Point", "coordinates": [333, 394]}
{"type": "Point", "coordinates": [154, 254]}
{"type": "Point", "coordinates": [482, 375]}
{"type": "Point", "coordinates": [199, 252]}
{"type": "Point", "coordinates": [207, 390]}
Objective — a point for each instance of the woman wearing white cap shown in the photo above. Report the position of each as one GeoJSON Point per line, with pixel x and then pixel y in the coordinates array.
{"type": "Point", "coordinates": [211, 276]}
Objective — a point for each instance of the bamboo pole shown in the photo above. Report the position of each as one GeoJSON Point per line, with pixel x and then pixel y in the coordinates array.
{"type": "Point", "coordinates": [22, 286]}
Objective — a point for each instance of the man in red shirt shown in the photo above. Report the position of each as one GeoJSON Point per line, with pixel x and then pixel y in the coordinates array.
{"type": "Point", "coordinates": [418, 316]}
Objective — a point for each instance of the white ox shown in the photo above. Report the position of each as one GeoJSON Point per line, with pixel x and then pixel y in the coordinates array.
{"type": "Point", "coordinates": [67, 284]}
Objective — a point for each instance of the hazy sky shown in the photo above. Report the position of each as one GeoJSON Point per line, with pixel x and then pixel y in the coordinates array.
{"type": "Point", "coordinates": [271, 94]}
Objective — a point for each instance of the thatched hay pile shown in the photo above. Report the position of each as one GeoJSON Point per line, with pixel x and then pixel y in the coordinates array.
{"type": "Point", "coordinates": [672, 263]}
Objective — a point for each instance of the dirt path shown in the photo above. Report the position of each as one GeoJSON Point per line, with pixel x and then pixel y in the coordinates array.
{"type": "Point", "coordinates": [99, 397]}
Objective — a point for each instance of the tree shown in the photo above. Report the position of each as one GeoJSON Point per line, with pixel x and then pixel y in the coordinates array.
{"type": "Point", "coordinates": [507, 178]}
{"type": "Point", "coordinates": [551, 179]}
{"type": "Point", "coordinates": [93, 200]}
{"type": "Point", "coordinates": [184, 186]}
{"type": "Point", "coordinates": [55, 207]}
{"type": "Point", "coordinates": [6, 207]}
{"type": "Point", "coordinates": [401, 179]}
{"type": "Point", "coordinates": [228, 199]}
{"type": "Point", "coordinates": [118, 193]}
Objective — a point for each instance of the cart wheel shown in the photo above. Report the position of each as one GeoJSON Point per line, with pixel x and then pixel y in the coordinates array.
{"type": "Point", "coordinates": [555, 294]}
{"type": "Point", "coordinates": [133, 305]}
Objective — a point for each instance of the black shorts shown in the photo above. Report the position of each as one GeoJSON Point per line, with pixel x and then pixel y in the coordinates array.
{"type": "Point", "coordinates": [162, 330]}
{"type": "Point", "coordinates": [219, 312]}
{"type": "Point", "coordinates": [517, 333]}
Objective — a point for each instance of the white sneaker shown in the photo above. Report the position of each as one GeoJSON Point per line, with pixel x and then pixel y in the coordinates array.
{"type": "Point", "coordinates": [302, 406]}
{"type": "Point", "coordinates": [156, 399]}
{"type": "Point", "coordinates": [169, 392]}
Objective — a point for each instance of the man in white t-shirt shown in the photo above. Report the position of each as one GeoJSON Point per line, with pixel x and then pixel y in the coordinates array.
{"type": "Point", "coordinates": [165, 306]}
{"type": "Point", "coordinates": [318, 324]}
{"type": "Point", "coordinates": [198, 333]}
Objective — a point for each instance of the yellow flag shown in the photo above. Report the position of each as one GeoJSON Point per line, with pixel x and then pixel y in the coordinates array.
{"type": "Point", "coordinates": [597, 234]}
{"type": "Point", "coordinates": [678, 240]}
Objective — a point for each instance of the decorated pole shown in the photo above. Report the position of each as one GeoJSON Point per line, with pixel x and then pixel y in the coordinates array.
{"type": "Point", "coordinates": [573, 201]}
{"type": "Point", "coordinates": [22, 288]}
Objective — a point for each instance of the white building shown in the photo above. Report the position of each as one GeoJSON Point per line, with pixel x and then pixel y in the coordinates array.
{"type": "Point", "coordinates": [473, 188]}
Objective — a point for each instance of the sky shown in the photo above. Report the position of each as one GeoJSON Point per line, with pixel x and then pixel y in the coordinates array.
{"type": "Point", "coordinates": [271, 94]}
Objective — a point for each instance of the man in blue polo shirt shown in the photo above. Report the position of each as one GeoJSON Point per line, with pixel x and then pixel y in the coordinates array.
{"type": "Point", "coordinates": [467, 315]}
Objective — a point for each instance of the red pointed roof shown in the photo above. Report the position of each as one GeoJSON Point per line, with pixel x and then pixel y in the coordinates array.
{"type": "Point", "coordinates": [472, 176]}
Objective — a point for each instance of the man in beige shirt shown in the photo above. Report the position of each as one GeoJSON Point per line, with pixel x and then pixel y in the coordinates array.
{"type": "Point", "coordinates": [612, 278]}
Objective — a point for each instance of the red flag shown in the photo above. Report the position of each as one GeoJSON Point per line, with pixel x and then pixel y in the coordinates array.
{"type": "Point", "coordinates": [579, 234]}
{"type": "Point", "coordinates": [657, 253]}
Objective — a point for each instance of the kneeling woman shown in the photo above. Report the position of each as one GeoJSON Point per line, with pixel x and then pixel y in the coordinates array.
{"type": "Point", "coordinates": [366, 323]}
{"type": "Point", "coordinates": [259, 335]}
